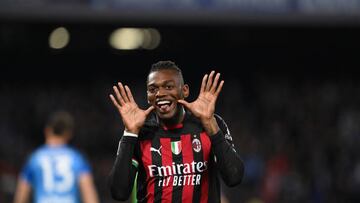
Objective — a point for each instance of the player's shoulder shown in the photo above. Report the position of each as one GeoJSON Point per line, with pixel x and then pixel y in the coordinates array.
{"type": "Point", "coordinates": [223, 127]}
{"type": "Point", "coordinates": [221, 122]}
{"type": "Point", "coordinates": [218, 117]}
{"type": "Point", "coordinates": [76, 155]}
{"type": "Point", "coordinates": [43, 149]}
{"type": "Point", "coordinates": [37, 154]}
{"type": "Point", "coordinates": [66, 149]}
{"type": "Point", "coordinates": [74, 151]}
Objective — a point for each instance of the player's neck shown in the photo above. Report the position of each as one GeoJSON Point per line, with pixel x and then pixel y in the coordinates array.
{"type": "Point", "coordinates": [53, 140]}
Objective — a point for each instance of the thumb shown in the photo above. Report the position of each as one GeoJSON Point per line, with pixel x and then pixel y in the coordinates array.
{"type": "Point", "coordinates": [148, 110]}
{"type": "Point", "coordinates": [183, 102]}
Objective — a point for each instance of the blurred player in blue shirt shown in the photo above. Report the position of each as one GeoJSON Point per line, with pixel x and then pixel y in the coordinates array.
{"type": "Point", "coordinates": [56, 172]}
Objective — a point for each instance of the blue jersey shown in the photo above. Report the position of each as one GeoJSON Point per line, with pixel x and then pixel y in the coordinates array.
{"type": "Point", "coordinates": [53, 172]}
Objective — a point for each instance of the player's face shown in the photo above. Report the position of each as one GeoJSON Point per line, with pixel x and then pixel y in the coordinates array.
{"type": "Point", "coordinates": [164, 88]}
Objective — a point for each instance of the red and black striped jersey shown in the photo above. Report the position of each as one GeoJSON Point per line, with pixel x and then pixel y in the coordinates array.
{"type": "Point", "coordinates": [176, 163]}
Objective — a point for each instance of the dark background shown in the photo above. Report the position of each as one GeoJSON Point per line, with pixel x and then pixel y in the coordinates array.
{"type": "Point", "coordinates": [291, 94]}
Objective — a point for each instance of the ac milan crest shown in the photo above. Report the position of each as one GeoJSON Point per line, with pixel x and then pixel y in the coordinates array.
{"type": "Point", "coordinates": [196, 145]}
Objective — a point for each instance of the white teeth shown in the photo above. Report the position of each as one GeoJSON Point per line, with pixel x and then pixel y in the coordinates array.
{"type": "Point", "coordinates": [163, 102]}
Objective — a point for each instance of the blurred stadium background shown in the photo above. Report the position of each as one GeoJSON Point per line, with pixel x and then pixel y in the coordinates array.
{"type": "Point", "coordinates": [291, 96]}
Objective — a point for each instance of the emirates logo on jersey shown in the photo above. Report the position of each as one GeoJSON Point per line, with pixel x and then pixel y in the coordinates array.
{"type": "Point", "coordinates": [196, 144]}
{"type": "Point", "coordinates": [178, 174]}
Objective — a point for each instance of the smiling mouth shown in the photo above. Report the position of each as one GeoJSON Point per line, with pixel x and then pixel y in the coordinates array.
{"type": "Point", "coordinates": [164, 105]}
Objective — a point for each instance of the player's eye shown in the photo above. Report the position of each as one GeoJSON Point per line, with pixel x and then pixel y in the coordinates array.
{"type": "Point", "coordinates": [152, 90]}
{"type": "Point", "coordinates": [169, 87]}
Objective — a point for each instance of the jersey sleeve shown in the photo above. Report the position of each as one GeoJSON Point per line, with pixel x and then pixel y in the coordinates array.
{"type": "Point", "coordinates": [82, 165]}
{"type": "Point", "coordinates": [122, 175]}
{"type": "Point", "coordinates": [227, 159]}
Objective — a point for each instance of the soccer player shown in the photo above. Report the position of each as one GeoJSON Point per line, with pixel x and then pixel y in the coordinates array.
{"type": "Point", "coordinates": [56, 172]}
{"type": "Point", "coordinates": [176, 152]}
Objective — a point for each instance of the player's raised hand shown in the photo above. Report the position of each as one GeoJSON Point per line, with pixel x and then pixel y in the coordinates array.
{"type": "Point", "coordinates": [132, 116]}
{"type": "Point", "coordinates": [204, 106]}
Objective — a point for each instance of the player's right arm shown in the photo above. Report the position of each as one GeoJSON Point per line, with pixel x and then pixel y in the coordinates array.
{"type": "Point", "coordinates": [22, 193]}
{"type": "Point", "coordinates": [132, 116]}
{"type": "Point", "coordinates": [25, 183]}
{"type": "Point", "coordinates": [123, 172]}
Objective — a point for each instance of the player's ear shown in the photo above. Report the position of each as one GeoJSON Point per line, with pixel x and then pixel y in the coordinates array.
{"type": "Point", "coordinates": [185, 90]}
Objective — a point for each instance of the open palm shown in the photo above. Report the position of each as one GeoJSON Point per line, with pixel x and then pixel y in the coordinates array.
{"type": "Point", "coordinates": [204, 106]}
{"type": "Point", "coordinates": [132, 116]}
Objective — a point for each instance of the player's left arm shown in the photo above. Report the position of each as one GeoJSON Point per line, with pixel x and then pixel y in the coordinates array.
{"type": "Point", "coordinates": [227, 159]}
{"type": "Point", "coordinates": [87, 188]}
{"type": "Point", "coordinates": [85, 180]}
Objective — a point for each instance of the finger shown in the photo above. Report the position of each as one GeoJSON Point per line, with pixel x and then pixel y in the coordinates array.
{"type": "Point", "coordinates": [117, 105]}
{"type": "Point", "coordinates": [219, 88]}
{"type": "Point", "coordinates": [185, 103]}
{"type": "Point", "coordinates": [147, 111]}
{"type": "Point", "coordinates": [209, 81]}
{"type": "Point", "coordinates": [128, 91]}
{"type": "Point", "coordinates": [123, 93]}
{"type": "Point", "coordinates": [216, 80]}
{"type": "Point", "coordinates": [118, 96]}
{"type": "Point", "coordinates": [203, 83]}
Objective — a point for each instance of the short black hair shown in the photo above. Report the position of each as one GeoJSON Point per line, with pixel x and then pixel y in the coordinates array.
{"type": "Point", "coordinates": [61, 122]}
{"type": "Point", "coordinates": [167, 65]}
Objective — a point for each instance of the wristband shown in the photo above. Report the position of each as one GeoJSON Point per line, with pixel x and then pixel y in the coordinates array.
{"type": "Point", "coordinates": [129, 134]}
